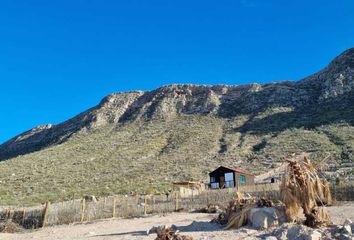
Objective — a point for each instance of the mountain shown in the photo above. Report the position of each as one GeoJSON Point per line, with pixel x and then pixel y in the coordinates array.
{"type": "Point", "coordinates": [142, 141]}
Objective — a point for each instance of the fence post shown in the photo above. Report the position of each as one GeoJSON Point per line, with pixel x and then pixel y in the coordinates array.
{"type": "Point", "coordinates": [126, 206]}
{"type": "Point", "coordinates": [153, 203]}
{"type": "Point", "coordinates": [23, 217]}
{"type": "Point", "coordinates": [114, 207]}
{"type": "Point", "coordinates": [177, 203]}
{"type": "Point", "coordinates": [45, 214]}
{"type": "Point", "coordinates": [83, 207]}
{"type": "Point", "coordinates": [145, 205]}
{"type": "Point", "coordinates": [8, 214]}
{"type": "Point", "coordinates": [207, 197]}
{"type": "Point", "coordinates": [137, 199]}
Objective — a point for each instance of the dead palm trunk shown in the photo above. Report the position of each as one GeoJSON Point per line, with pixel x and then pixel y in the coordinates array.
{"type": "Point", "coordinates": [303, 188]}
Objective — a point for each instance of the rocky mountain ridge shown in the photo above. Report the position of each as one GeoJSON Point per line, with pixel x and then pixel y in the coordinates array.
{"type": "Point", "coordinates": [335, 81]}
{"type": "Point", "coordinates": [254, 125]}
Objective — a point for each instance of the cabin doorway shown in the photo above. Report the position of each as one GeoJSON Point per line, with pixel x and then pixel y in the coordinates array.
{"type": "Point", "coordinates": [222, 182]}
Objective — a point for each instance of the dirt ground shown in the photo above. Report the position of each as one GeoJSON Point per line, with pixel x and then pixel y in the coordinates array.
{"type": "Point", "coordinates": [193, 224]}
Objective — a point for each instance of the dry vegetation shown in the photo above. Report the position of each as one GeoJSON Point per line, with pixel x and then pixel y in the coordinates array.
{"type": "Point", "coordinates": [146, 157]}
{"type": "Point", "coordinates": [9, 227]}
{"type": "Point", "coordinates": [303, 189]}
{"type": "Point", "coordinates": [167, 233]}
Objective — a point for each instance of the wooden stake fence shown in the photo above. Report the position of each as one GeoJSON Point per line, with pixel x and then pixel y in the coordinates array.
{"type": "Point", "coordinates": [122, 206]}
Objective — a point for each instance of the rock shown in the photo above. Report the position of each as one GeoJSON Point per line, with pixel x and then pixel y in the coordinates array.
{"type": "Point", "coordinates": [345, 237]}
{"type": "Point", "coordinates": [282, 218]}
{"type": "Point", "coordinates": [159, 228]}
{"type": "Point", "coordinates": [347, 229]}
{"type": "Point", "coordinates": [314, 235]}
{"type": "Point", "coordinates": [271, 238]}
{"type": "Point", "coordinates": [263, 218]}
{"type": "Point", "coordinates": [336, 235]}
{"type": "Point", "coordinates": [347, 222]}
{"type": "Point", "coordinates": [296, 232]}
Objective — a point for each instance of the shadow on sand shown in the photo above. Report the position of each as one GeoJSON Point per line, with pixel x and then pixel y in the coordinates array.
{"type": "Point", "coordinates": [195, 226]}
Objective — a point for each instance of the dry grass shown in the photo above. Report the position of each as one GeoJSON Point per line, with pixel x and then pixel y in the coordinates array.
{"type": "Point", "coordinates": [10, 227]}
{"type": "Point", "coordinates": [166, 233]}
{"type": "Point", "coordinates": [146, 158]}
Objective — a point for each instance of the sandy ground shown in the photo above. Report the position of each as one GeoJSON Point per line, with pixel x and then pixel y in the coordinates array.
{"type": "Point", "coordinates": [193, 224]}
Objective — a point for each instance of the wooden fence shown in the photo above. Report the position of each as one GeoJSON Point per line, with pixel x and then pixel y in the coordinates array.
{"type": "Point", "coordinates": [343, 192]}
{"type": "Point", "coordinates": [126, 206]}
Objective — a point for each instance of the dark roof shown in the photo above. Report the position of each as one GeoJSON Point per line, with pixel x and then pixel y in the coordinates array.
{"type": "Point", "coordinates": [233, 169]}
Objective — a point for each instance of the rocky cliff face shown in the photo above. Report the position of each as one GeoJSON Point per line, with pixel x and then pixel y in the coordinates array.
{"type": "Point", "coordinates": [203, 126]}
{"type": "Point", "coordinates": [336, 80]}
{"type": "Point", "coordinates": [333, 84]}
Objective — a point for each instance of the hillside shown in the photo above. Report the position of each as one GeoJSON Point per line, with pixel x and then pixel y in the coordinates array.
{"type": "Point", "coordinates": [142, 141]}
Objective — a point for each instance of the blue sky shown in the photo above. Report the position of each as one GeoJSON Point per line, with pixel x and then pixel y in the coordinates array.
{"type": "Point", "coordinates": [58, 58]}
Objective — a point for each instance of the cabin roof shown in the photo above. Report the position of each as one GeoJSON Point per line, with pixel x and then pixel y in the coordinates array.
{"type": "Point", "coordinates": [233, 169]}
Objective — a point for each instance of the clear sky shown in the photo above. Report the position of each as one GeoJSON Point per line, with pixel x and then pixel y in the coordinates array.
{"type": "Point", "coordinates": [58, 58]}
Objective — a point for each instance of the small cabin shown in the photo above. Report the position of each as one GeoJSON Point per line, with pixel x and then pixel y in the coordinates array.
{"type": "Point", "coordinates": [188, 188]}
{"type": "Point", "coordinates": [230, 177]}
